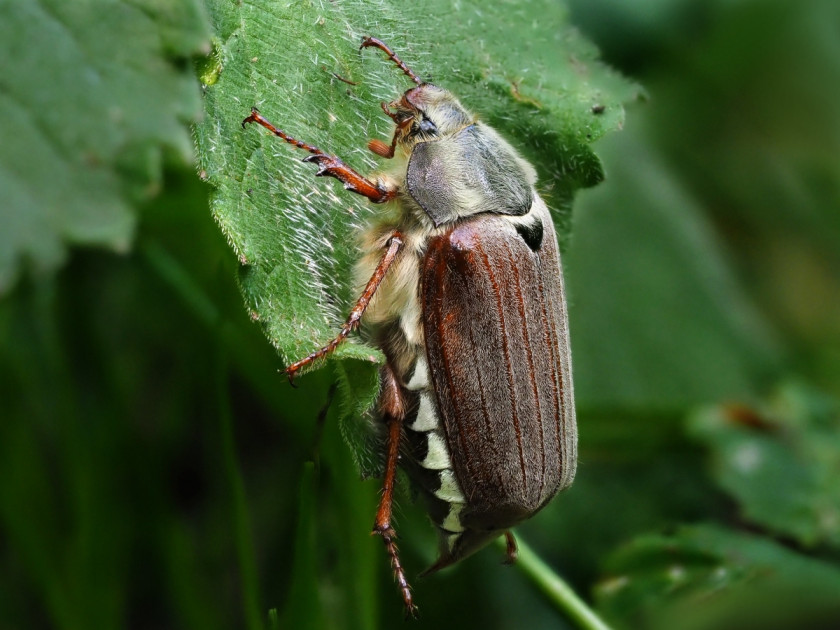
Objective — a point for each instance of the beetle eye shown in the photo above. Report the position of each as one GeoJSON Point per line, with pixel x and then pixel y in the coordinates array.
{"type": "Point", "coordinates": [427, 126]}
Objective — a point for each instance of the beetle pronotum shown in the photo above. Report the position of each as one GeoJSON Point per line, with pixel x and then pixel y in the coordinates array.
{"type": "Point", "coordinates": [465, 298]}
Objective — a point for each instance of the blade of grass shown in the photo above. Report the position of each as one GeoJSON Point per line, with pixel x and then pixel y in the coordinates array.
{"type": "Point", "coordinates": [241, 518]}
{"type": "Point", "coordinates": [303, 609]}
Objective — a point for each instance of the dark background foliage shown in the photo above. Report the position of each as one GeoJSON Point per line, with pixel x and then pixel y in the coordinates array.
{"type": "Point", "coordinates": [157, 472]}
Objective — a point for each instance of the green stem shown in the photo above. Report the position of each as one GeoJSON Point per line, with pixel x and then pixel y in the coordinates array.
{"type": "Point", "coordinates": [556, 589]}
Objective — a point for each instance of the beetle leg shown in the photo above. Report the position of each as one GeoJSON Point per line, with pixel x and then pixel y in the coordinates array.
{"type": "Point", "coordinates": [329, 165]}
{"type": "Point", "coordinates": [392, 408]}
{"type": "Point", "coordinates": [333, 167]}
{"type": "Point", "coordinates": [395, 243]}
{"type": "Point", "coordinates": [510, 548]}
{"type": "Point", "coordinates": [382, 149]}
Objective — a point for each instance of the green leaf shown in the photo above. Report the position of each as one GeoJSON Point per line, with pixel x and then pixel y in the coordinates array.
{"type": "Point", "coordinates": [658, 321]}
{"type": "Point", "coordinates": [708, 577]}
{"type": "Point", "coordinates": [751, 133]}
{"type": "Point", "coordinates": [358, 389]}
{"type": "Point", "coordinates": [300, 64]}
{"type": "Point", "coordinates": [780, 461]}
{"type": "Point", "coordinates": [90, 93]}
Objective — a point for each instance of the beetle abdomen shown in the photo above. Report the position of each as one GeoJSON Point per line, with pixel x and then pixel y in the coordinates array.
{"type": "Point", "coordinates": [429, 458]}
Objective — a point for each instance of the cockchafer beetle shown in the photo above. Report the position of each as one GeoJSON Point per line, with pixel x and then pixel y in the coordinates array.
{"type": "Point", "coordinates": [465, 298]}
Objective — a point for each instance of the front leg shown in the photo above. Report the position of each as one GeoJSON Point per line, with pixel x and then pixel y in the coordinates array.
{"type": "Point", "coordinates": [329, 165]}
{"type": "Point", "coordinates": [394, 245]}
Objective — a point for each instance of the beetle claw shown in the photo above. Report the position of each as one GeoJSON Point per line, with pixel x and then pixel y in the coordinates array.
{"type": "Point", "coordinates": [252, 118]}
{"type": "Point", "coordinates": [326, 163]}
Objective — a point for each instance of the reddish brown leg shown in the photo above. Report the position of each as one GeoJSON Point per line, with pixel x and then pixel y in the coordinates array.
{"type": "Point", "coordinates": [394, 245]}
{"type": "Point", "coordinates": [392, 407]}
{"type": "Point", "coordinates": [329, 164]}
{"type": "Point", "coordinates": [379, 147]}
{"type": "Point", "coordinates": [511, 552]}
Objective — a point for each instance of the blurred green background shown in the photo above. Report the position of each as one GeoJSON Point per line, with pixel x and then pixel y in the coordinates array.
{"type": "Point", "coordinates": [157, 472]}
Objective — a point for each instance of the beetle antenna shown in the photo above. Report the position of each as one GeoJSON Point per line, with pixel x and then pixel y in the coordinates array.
{"type": "Point", "coordinates": [372, 41]}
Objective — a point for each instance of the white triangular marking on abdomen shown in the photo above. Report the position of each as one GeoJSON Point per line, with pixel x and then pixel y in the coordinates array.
{"type": "Point", "coordinates": [449, 490]}
{"type": "Point", "coordinates": [452, 522]}
{"type": "Point", "coordinates": [427, 419]}
{"type": "Point", "coordinates": [437, 455]}
{"type": "Point", "coordinates": [420, 379]}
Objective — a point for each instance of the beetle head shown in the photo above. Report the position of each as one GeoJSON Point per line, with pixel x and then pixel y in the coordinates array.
{"type": "Point", "coordinates": [422, 114]}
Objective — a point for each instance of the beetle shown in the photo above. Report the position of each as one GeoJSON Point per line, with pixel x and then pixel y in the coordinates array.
{"type": "Point", "coordinates": [465, 298]}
